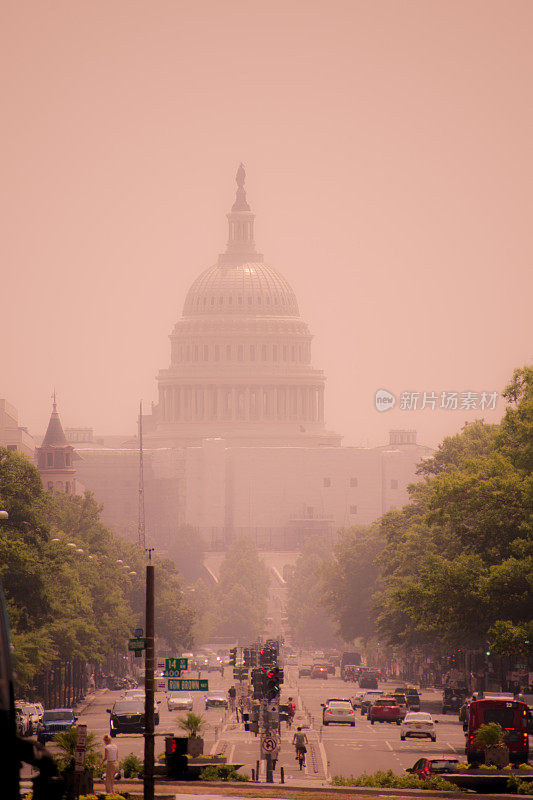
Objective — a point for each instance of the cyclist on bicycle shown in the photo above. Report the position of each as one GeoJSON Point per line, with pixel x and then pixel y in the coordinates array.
{"type": "Point", "coordinates": [299, 741]}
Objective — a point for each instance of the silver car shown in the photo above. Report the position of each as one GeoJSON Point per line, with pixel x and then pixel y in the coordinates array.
{"type": "Point", "coordinates": [338, 710]}
{"type": "Point", "coordinates": [179, 701]}
{"type": "Point", "coordinates": [418, 724]}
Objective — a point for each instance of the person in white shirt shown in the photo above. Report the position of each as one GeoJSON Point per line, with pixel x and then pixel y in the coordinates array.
{"type": "Point", "coordinates": [111, 763]}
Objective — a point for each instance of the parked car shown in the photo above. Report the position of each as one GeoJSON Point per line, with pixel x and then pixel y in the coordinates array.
{"type": "Point", "coordinates": [425, 768]}
{"type": "Point", "coordinates": [216, 700]}
{"type": "Point", "coordinates": [385, 709]}
{"type": "Point", "coordinates": [401, 699]}
{"type": "Point", "coordinates": [127, 716]}
{"type": "Point", "coordinates": [338, 709]}
{"type": "Point", "coordinates": [418, 724]}
{"type": "Point", "coordinates": [368, 698]}
{"type": "Point", "coordinates": [179, 701]}
{"type": "Point", "coordinates": [54, 721]}
{"type": "Point", "coordinates": [305, 670]}
{"type": "Point", "coordinates": [319, 672]}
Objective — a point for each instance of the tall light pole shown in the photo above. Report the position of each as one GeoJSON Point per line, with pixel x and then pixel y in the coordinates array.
{"type": "Point", "coordinates": [149, 664]}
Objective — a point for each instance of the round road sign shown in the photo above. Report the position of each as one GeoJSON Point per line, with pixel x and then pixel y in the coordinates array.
{"type": "Point", "coordinates": [269, 744]}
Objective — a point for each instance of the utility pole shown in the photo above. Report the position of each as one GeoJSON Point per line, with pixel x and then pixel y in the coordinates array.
{"type": "Point", "coordinates": [141, 532]}
{"type": "Point", "coordinates": [149, 683]}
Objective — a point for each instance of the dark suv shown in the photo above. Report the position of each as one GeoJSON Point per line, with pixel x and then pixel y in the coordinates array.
{"type": "Point", "coordinates": [55, 720]}
{"type": "Point", "coordinates": [127, 716]}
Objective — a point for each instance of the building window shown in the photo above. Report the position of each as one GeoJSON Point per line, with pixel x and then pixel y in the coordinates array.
{"type": "Point", "coordinates": [240, 352]}
{"type": "Point", "coordinates": [228, 352]}
{"type": "Point", "coordinates": [353, 483]}
{"type": "Point", "coordinates": [212, 301]}
{"type": "Point", "coordinates": [220, 300]}
{"type": "Point", "coordinates": [217, 352]}
{"type": "Point", "coordinates": [67, 488]}
{"type": "Point", "coordinates": [196, 352]}
{"type": "Point", "coordinates": [12, 447]}
{"type": "Point", "coordinates": [285, 352]}
{"type": "Point", "coordinates": [206, 353]}
{"type": "Point", "coordinates": [50, 486]}
{"type": "Point", "coordinates": [274, 352]}
{"type": "Point", "coordinates": [293, 353]}
{"type": "Point", "coordinates": [67, 459]}
{"type": "Point", "coordinates": [327, 482]}
{"type": "Point", "coordinates": [50, 460]}
{"type": "Point", "coordinates": [393, 483]}
{"type": "Point", "coordinates": [249, 301]}
{"type": "Point", "coordinates": [263, 352]}
{"type": "Point", "coordinates": [240, 300]}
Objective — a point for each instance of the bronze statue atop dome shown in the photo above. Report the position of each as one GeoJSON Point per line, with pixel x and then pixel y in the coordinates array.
{"type": "Point", "coordinates": [240, 176]}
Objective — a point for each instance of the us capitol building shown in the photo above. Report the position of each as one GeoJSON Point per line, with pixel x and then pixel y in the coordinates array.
{"type": "Point", "coordinates": [237, 443]}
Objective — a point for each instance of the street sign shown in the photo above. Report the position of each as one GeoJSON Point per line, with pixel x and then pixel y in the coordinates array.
{"type": "Point", "coordinates": [81, 744]}
{"type": "Point", "coordinates": [136, 644]}
{"type": "Point", "coordinates": [269, 744]}
{"type": "Point", "coordinates": [138, 632]}
{"type": "Point", "coordinates": [175, 664]}
{"type": "Point", "coordinates": [172, 673]}
{"type": "Point", "coordinates": [187, 685]}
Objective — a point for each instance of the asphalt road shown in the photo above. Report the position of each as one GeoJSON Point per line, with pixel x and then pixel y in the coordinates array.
{"type": "Point", "coordinates": [332, 750]}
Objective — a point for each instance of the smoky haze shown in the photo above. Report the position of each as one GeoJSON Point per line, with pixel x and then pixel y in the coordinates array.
{"type": "Point", "coordinates": [389, 163]}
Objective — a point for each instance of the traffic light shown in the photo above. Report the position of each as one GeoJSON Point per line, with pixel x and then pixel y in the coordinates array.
{"type": "Point", "coordinates": [259, 683]}
{"type": "Point", "coordinates": [275, 678]}
{"type": "Point", "coordinates": [233, 656]}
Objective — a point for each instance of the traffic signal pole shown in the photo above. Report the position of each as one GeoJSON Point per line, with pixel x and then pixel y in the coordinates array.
{"type": "Point", "coordinates": [149, 685]}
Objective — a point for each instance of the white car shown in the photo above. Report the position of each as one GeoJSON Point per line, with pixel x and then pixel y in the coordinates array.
{"type": "Point", "coordinates": [338, 710]}
{"type": "Point", "coordinates": [418, 723]}
{"type": "Point", "coordinates": [178, 701]}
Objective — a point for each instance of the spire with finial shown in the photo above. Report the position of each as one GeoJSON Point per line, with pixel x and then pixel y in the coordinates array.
{"type": "Point", "coordinates": [54, 433]}
{"type": "Point", "coordinates": [241, 245]}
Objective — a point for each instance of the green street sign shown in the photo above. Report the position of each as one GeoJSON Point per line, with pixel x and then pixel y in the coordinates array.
{"type": "Point", "coordinates": [188, 685]}
{"type": "Point", "coordinates": [137, 644]}
{"type": "Point", "coordinates": [175, 664]}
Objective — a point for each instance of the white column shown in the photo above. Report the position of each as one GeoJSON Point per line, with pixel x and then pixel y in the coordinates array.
{"type": "Point", "coordinates": [321, 404]}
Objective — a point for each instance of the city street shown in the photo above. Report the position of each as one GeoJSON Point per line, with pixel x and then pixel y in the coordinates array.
{"type": "Point", "coordinates": [333, 750]}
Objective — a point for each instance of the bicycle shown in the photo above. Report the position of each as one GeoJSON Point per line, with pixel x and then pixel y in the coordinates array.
{"type": "Point", "coordinates": [300, 755]}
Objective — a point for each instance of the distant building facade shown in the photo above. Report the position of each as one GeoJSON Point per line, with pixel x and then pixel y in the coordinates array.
{"type": "Point", "coordinates": [237, 442]}
{"type": "Point", "coordinates": [12, 435]}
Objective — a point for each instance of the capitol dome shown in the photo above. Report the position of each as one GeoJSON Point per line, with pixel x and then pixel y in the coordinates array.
{"type": "Point", "coordinates": [247, 288]}
{"type": "Point", "coordinates": [240, 364]}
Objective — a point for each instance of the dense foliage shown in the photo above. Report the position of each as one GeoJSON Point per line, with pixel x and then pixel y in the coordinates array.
{"type": "Point", "coordinates": [458, 559]}
{"type": "Point", "coordinates": [241, 593]}
{"type": "Point", "coordinates": [73, 589]}
{"type": "Point", "coordinates": [308, 619]}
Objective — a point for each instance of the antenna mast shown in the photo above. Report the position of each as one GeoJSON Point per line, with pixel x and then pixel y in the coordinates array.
{"type": "Point", "coordinates": [141, 532]}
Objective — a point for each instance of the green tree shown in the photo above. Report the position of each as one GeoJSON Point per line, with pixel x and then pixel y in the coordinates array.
{"type": "Point", "coordinates": [241, 593]}
{"type": "Point", "coordinates": [308, 619]}
{"type": "Point", "coordinates": [350, 581]}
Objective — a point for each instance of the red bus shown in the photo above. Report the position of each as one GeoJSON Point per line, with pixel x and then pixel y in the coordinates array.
{"type": "Point", "coordinates": [512, 715]}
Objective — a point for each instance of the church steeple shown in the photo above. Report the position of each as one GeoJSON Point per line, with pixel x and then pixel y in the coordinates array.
{"type": "Point", "coordinates": [241, 245]}
{"type": "Point", "coordinates": [55, 455]}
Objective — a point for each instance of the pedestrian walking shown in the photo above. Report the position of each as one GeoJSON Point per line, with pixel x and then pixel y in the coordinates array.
{"type": "Point", "coordinates": [111, 763]}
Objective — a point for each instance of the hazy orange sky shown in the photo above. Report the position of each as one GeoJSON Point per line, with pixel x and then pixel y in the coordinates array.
{"type": "Point", "coordinates": [389, 153]}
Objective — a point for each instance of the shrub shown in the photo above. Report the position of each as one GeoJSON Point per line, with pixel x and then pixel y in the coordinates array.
{"type": "Point", "coordinates": [132, 766]}
{"type": "Point", "coordinates": [192, 723]}
{"type": "Point", "coordinates": [221, 772]}
{"type": "Point", "coordinates": [388, 779]}
{"type": "Point", "coordinates": [489, 735]}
